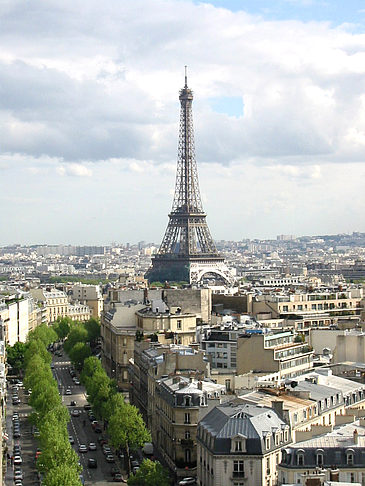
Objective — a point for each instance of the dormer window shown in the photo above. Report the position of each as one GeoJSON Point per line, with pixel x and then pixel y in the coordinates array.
{"type": "Point", "coordinates": [267, 442]}
{"type": "Point", "coordinates": [187, 400]}
{"type": "Point", "coordinates": [300, 458]}
{"type": "Point", "coordinates": [319, 458]}
{"type": "Point", "coordinates": [350, 458]}
{"type": "Point", "coordinates": [238, 446]}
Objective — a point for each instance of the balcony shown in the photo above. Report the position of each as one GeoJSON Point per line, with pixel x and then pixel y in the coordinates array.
{"type": "Point", "coordinates": [238, 475]}
{"type": "Point", "coordinates": [187, 442]}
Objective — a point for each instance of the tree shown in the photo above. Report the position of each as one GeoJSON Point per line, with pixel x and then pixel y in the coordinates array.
{"type": "Point", "coordinates": [91, 366]}
{"type": "Point", "coordinates": [15, 356]}
{"type": "Point", "coordinates": [37, 347]}
{"type": "Point", "coordinates": [43, 333]}
{"type": "Point", "coordinates": [78, 334]}
{"type": "Point", "coordinates": [150, 473]}
{"type": "Point", "coordinates": [92, 327]}
{"type": "Point", "coordinates": [63, 475]}
{"type": "Point", "coordinates": [127, 430]}
{"type": "Point", "coordinates": [79, 353]}
{"type": "Point", "coordinates": [63, 327]}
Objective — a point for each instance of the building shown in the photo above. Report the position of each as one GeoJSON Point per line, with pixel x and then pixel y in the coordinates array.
{"type": "Point", "coordinates": [338, 455]}
{"type": "Point", "coordinates": [14, 313]}
{"type": "Point", "coordinates": [180, 403]}
{"type": "Point", "coordinates": [275, 352]}
{"type": "Point", "coordinates": [240, 444]}
{"type": "Point", "coordinates": [57, 305]}
{"type": "Point", "coordinates": [350, 346]}
{"type": "Point", "coordinates": [118, 334]}
{"type": "Point", "coordinates": [89, 295]}
{"type": "Point", "coordinates": [159, 319]}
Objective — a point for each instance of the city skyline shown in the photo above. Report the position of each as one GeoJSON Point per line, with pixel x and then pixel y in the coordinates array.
{"type": "Point", "coordinates": [89, 118]}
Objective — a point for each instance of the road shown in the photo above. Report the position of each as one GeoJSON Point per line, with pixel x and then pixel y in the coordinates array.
{"type": "Point", "coordinates": [100, 476]}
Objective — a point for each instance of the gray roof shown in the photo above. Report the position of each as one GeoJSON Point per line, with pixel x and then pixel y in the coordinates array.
{"type": "Point", "coordinates": [251, 421]}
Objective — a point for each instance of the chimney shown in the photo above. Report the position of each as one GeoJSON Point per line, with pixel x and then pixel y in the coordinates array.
{"type": "Point", "coordinates": [334, 475]}
{"type": "Point", "coordinates": [200, 385]}
{"type": "Point", "coordinates": [145, 296]}
{"type": "Point", "coordinates": [356, 437]}
{"type": "Point", "coordinates": [278, 406]}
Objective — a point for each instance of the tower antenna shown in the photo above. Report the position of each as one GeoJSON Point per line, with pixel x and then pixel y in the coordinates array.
{"type": "Point", "coordinates": [186, 77]}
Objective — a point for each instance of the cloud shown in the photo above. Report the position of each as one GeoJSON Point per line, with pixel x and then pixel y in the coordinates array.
{"type": "Point", "coordinates": [95, 97]}
{"type": "Point", "coordinates": [75, 170]}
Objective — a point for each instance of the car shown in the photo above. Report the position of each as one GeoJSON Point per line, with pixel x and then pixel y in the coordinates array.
{"type": "Point", "coordinates": [92, 463]}
{"type": "Point", "coordinates": [18, 474]}
{"type": "Point", "coordinates": [15, 416]}
{"type": "Point", "coordinates": [52, 366]}
{"type": "Point", "coordinates": [19, 383]}
{"type": "Point", "coordinates": [87, 406]}
{"type": "Point", "coordinates": [71, 439]}
{"type": "Point", "coordinates": [75, 412]}
{"type": "Point", "coordinates": [117, 478]}
{"type": "Point", "coordinates": [82, 448]}
{"type": "Point", "coordinates": [16, 434]}
{"type": "Point", "coordinates": [187, 482]}
{"type": "Point", "coordinates": [73, 403]}
{"type": "Point", "coordinates": [135, 470]}
{"type": "Point", "coordinates": [68, 391]}
{"type": "Point", "coordinates": [18, 459]}
{"type": "Point", "coordinates": [18, 482]}
{"type": "Point", "coordinates": [106, 449]}
{"type": "Point", "coordinates": [16, 450]}
{"type": "Point", "coordinates": [77, 382]}
{"type": "Point", "coordinates": [115, 470]}
{"type": "Point", "coordinates": [98, 429]}
{"type": "Point", "coordinates": [92, 446]}
{"type": "Point", "coordinates": [110, 458]}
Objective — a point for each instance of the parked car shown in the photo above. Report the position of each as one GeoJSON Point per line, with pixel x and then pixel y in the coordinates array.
{"type": "Point", "coordinates": [18, 459]}
{"type": "Point", "coordinates": [92, 446]}
{"type": "Point", "coordinates": [71, 439]}
{"type": "Point", "coordinates": [82, 448]}
{"type": "Point", "coordinates": [110, 458]}
{"type": "Point", "coordinates": [187, 482]}
{"type": "Point", "coordinates": [92, 463]}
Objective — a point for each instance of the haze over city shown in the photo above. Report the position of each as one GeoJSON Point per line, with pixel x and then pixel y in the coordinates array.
{"type": "Point", "coordinates": [89, 116]}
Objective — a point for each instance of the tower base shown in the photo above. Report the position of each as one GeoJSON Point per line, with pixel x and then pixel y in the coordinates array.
{"type": "Point", "coordinates": [190, 270]}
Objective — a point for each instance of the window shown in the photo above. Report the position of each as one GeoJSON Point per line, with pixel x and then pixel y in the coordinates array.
{"type": "Point", "coordinates": [187, 401]}
{"type": "Point", "coordinates": [238, 446]}
{"type": "Point", "coordinates": [238, 469]}
{"type": "Point", "coordinates": [187, 434]}
{"type": "Point", "coordinates": [267, 442]}
{"type": "Point", "coordinates": [300, 459]}
{"type": "Point", "coordinates": [178, 324]}
{"type": "Point", "coordinates": [268, 465]}
{"type": "Point", "coordinates": [187, 418]}
{"type": "Point", "coordinates": [286, 436]}
{"type": "Point", "coordinates": [187, 455]}
{"type": "Point", "coordinates": [319, 458]}
{"type": "Point", "coordinates": [350, 458]}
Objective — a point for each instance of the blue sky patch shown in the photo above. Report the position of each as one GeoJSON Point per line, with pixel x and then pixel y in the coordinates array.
{"type": "Point", "coordinates": [229, 105]}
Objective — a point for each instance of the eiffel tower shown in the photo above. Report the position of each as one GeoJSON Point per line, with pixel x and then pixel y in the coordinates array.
{"type": "Point", "coordinates": [187, 251]}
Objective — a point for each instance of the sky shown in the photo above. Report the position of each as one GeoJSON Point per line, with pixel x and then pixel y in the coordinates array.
{"type": "Point", "coordinates": [89, 117]}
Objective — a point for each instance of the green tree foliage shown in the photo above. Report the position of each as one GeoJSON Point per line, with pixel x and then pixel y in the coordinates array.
{"type": "Point", "coordinates": [36, 347]}
{"type": "Point", "coordinates": [43, 333]}
{"type": "Point", "coordinates": [15, 356]}
{"type": "Point", "coordinates": [100, 389]}
{"type": "Point", "coordinates": [91, 366]}
{"type": "Point", "coordinates": [150, 473]}
{"type": "Point", "coordinates": [92, 327]}
{"type": "Point", "coordinates": [78, 334]}
{"type": "Point", "coordinates": [63, 327]}
{"type": "Point", "coordinates": [126, 429]}
{"type": "Point", "coordinates": [62, 475]}
{"type": "Point", "coordinates": [78, 353]}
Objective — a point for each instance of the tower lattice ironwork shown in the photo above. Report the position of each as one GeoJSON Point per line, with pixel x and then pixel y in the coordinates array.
{"type": "Point", "coordinates": [187, 250]}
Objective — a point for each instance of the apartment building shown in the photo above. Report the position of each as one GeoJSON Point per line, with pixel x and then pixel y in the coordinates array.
{"type": "Point", "coordinates": [307, 310]}
{"type": "Point", "coordinates": [152, 361]}
{"type": "Point", "coordinates": [118, 334]}
{"type": "Point", "coordinates": [14, 313]}
{"type": "Point", "coordinates": [158, 318]}
{"type": "Point", "coordinates": [89, 295]}
{"type": "Point", "coordinates": [275, 352]}
{"type": "Point", "coordinates": [55, 302]}
{"type": "Point", "coordinates": [240, 444]}
{"type": "Point", "coordinates": [338, 455]}
{"type": "Point", "coordinates": [180, 403]}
